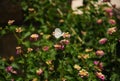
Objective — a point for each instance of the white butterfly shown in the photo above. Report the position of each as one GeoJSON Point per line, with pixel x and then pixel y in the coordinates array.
{"type": "Point", "coordinates": [58, 33]}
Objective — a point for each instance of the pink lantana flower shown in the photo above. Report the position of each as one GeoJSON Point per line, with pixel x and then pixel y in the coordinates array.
{"type": "Point", "coordinates": [10, 70]}
{"type": "Point", "coordinates": [59, 46]}
{"type": "Point", "coordinates": [108, 10]}
{"type": "Point", "coordinates": [100, 76]}
{"type": "Point", "coordinates": [99, 21]}
{"type": "Point", "coordinates": [100, 52]}
{"type": "Point", "coordinates": [45, 48]}
{"type": "Point", "coordinates": [66, 35]}
{"type": "Point", "coordinates": [39, 71]}
{"type": "Point", "coordinates": [34, 37]}
{"type": "Point", "coordinates": [96, 62]}
{"type": "Point", "coordinates": [112, 21]}
{"type": "Point", "coordinates": [65, 41]}
{"type": "Point", "coordinates": [18, 50]}
{"type": "Point", "coordinates": [111, 30]}
{"type": "Point", "coordinates": [103, 41]}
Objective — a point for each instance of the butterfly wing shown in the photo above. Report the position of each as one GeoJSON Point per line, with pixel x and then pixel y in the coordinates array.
{"type": "Point", "coordinates": [58, 33]}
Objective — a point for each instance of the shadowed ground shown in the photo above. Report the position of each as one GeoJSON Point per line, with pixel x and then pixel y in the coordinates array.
{"type": "Point", "coordinates": [8, 45]}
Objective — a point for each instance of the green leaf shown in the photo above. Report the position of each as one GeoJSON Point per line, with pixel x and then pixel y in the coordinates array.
{"type": "Point", "coordinates": [26, 44]}
{"type": "Point", "coordinates": [26, 35]}
{"type": "Point", "coordinates": [19, 79]}
{"type": "Point", "coordinates": [46, 74]}
{"type": "Point", "coordinates": [3, 32]}
{"type": "Point", "coordinates": [14, 65]}
{"type": "Point", "coordinates": [115, 77]}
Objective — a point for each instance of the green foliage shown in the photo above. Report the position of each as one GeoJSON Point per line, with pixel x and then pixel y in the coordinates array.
{"type": "Point", "coordinates": [78, 54]}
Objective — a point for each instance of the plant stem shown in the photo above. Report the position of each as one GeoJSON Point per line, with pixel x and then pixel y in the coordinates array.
{"type": "Point", "coordinates": [78, 37]}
